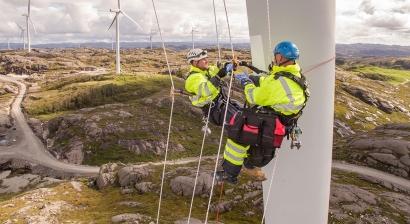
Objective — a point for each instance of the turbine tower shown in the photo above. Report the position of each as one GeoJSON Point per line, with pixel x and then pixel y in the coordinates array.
{"type": "Point", "coordinates": [150, 38]}
{"type": "Point", "coordinates": [8, 43]}
{"type": "Point", "coordinates": [112, 44]}
{"type": "Point", "coordinates": [298, 188]}
{"type": "Point", "coordinates": [27, 26]}
{"type": "Point", "coordinates": [117, 23]}
{"type": "Point", "coordinates": [192, 33]}
{"type": "Point", "coordinates": [22, 35]}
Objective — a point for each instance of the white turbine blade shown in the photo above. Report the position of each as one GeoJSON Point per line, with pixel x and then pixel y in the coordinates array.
{"type": "Point", "coordinates": [5, 35]}
{"type": "Point", "coordinates": [19, 26]}
{"type": "Point", "coordinates": [116, 15]}
{"type": "Point", "coordinates": [33, 24]}
{"type": "Point", "coordinates": [29, 7]}
{"type": "Point", "coordinates": [131, 19]}
{"type": "Point", "coordinates": [119, 4]}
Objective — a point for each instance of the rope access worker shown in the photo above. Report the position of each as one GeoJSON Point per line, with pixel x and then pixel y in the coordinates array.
{"type": "Point", "coordinates": [280, 94]}
{"type": "Point", "coordinates": [205, 84]}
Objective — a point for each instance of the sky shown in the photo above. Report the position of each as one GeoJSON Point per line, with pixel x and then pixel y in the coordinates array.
{"type": "Point", "coordinates": [357, 21]}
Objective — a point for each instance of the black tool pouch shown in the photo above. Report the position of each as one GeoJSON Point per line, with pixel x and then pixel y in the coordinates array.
{"type": "Point", "coordinates": [252, 127]}
{"type": "Point", "coordinates": [259, 156]}
{"type": "Point", "coordinates": [218, 106]}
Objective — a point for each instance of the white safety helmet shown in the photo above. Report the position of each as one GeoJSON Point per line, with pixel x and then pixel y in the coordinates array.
{"type": "Point", "coordinates": [196, 54]}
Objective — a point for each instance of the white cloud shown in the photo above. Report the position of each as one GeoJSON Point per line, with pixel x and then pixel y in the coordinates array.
{"type": "Point", "coordinates": [365, 21]}
{"type": "Point", "coordinates": [373, 21]}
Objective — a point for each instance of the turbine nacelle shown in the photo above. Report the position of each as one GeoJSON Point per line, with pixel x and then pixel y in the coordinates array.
{"type": "Point", "coordinates": [115, 10]}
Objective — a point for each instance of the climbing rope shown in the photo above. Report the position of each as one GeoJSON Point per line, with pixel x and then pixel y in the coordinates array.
{"type": "Point", "coordinates": [320, 64]}
{"type": "Point", "coordinates": [219, 202]}
{"type": "Point", "coordinates": [270, 186]}
{"type": "Point", "coordinates": [199, 163]}
{"type": "Point", "coordinates": [223, 125]}
{"type": "Point", "coordinates": [270, 42]}
{"type": "Point", "coordinates": [170, 116]}
{"type": "Point", "coordinates": [206, 122]}
{"type": "Point", "coordinates": [217, 34]}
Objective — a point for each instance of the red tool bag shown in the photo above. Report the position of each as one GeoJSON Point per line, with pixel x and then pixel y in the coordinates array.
{"type": "Point", "coordinates": [257, 128]}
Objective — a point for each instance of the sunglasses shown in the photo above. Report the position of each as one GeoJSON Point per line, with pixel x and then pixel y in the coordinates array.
{"type": "Point", "coordinates": [203, 53]}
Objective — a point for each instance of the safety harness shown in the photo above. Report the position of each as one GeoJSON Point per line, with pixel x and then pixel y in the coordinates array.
{"type": "Point", "coordinates": [290, 121]}
{"type": "Point", "coordinates": [218, 105]}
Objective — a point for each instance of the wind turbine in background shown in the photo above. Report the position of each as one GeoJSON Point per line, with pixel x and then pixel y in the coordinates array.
{"type": "Point", "coordinates": [112, 44]}
{"type": "Point", "coordinates": [117, 23]}
{"type": "Point", "coordinates": [27, 26]}
{"type": "Point", "coordinates": [22, 35]}
{"type": "Point", "coordinates": [8, 43]}
{"type": "Point", "coordinates": [150, 38]}
{"type": "Point", "coordinates": [192, 33]}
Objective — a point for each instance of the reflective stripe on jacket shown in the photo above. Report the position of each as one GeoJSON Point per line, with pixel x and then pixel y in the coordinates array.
{"type": "Point", "coordinates": [199, 85]}
{"type": "Point", "coordinates": [282, 94]}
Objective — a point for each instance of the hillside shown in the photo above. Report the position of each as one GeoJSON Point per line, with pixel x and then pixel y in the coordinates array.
{"type": "Point", "coordinates": [85, 114]}
{"type": "Point", "coordinates": [371, 50]}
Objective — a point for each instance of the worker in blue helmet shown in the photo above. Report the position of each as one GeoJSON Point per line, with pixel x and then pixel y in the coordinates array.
{"type": "Point", "coordinates": [277, 93]}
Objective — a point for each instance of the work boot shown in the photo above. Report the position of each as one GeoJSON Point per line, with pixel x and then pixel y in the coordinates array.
{"type": "Point", "coordinates": [226, 177]}
{"type": "Point", "coordinates": [255, 173]}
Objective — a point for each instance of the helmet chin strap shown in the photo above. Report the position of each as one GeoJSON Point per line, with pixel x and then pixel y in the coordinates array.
{"type": "Point", "coordinates": [280, 64]}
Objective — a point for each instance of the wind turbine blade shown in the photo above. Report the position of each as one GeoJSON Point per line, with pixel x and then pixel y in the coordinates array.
{"type": "Point", "coordinates": [19, 26]}
{"type": "Point", "coordinates": [29, 7]}
{"type": "Point", "coordinates": [33, 24]}
{"type": "Point", "coordinates": [116, 15]}
{"type": "Point", "coordinates": [131, 19]}
{"type": "Point", "coordinates": [119, 4]}
{"type": "Point", "coordinates": [5, 35]}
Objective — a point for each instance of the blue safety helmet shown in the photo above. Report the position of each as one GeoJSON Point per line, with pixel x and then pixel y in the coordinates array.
{"type": "Point", "coordinates": [287, 49]}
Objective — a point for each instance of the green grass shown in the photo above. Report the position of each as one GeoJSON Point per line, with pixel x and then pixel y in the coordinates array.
{"type": "Point", "coordinates": [393, 76]}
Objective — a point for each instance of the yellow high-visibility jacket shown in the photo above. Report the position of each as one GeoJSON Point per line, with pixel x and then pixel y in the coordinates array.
{"type": "Point", "coordinates": [198, 83]}
{"type": "Point", "coordinates": [282, 94]}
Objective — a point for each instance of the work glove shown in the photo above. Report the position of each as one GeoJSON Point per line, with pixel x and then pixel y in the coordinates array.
{"type": "Point", "coordinates": [270, 66]}
{"type": "Point", "coordinates": [243, 63]}
{"type": "Point", "coordinates": [228, 67]}
{"type": "Point", "coordinates": [239, 77]}
{"type": "Point", "coordinates": [225, 70]}
{"type": "Point", "coordinates": [245, 81]}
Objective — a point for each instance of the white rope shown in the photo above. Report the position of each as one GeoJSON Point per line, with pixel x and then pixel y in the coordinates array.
{"type": "Point", "coordinates": [170, 116]}
{"type": "Point", "coordinates": [217, 34]}
{"type": "Point", "coordinates": [206, 126]}
{"type": "Point", "coordinates": [270, 40]}
{"type": "Point", "coordinates": [199, 162]}
{"type": "Point", "coordinates": [223, 126]}
{"type": "Point", "coordinates": [270, 186]}
{"type": "Point", "coordinates": [207, 121]}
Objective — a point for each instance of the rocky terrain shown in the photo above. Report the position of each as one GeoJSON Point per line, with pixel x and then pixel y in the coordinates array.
{"type": "Point", "coordinates": [370, 129]}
